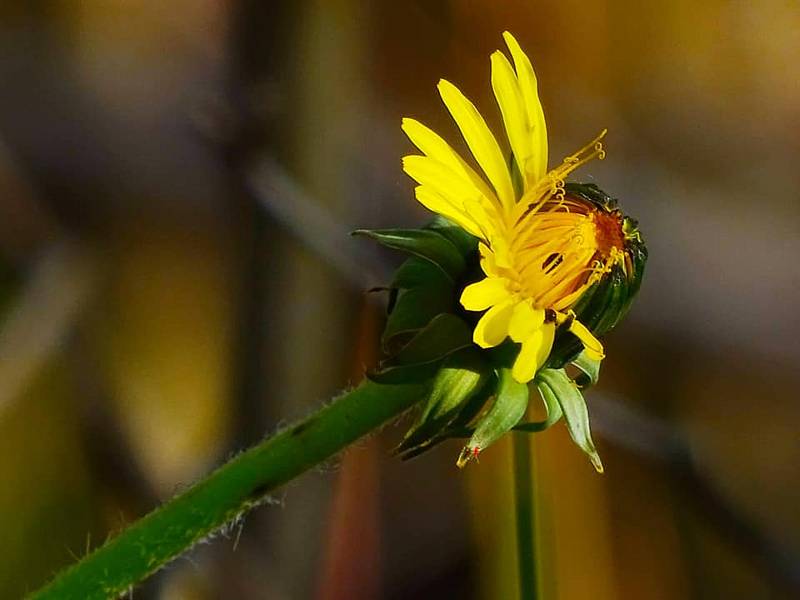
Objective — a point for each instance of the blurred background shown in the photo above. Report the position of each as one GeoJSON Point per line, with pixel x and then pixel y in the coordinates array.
{"type": "Point", "coordinates": [177, 181]}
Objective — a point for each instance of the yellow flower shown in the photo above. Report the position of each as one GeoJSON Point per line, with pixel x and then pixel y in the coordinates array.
{"type": "Point", "coordinates": [540, 248]}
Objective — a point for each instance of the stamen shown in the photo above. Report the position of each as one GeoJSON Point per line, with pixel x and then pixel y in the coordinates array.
{"type": "Point", "coordinates": [596, 144]}
{"type": "Point", "coordinates": [571, 297]}
{"type": "Point", "coordinates": [570, 274]}
{"type": "Point", "coordinates": [593, 149]}
{"type": "Point", "coordinates": [552, 262]}
{"type": "Point", "coordinates": [559, 193]}
{"type": "Point", "coordinates": [535, 255]}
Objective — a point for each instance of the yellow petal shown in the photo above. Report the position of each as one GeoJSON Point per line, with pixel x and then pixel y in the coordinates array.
{"type": "Point", "coordinates": [488, 262]}
{"type": "Point", "coordinates": [457, 190]}
{"type": "Point", "coordinates": [594, 349]}
{"type": "Point", "coordinates": [436, 203]}
{"type": "Point", "coordinates": [537, 167]}
{"type": "Point", "coordinates": [485, 293]}
{"type": "Point", "coordinates": [492, 329]}
{"type": "Point", "coordinates": [534, 353]}
{"type": "Point", "coordinates": [525, 321]}
{"type": "Point", "coordinates": [512, 107]}
{"type": "Point", "coordinates": [430, 172]}
{"type": "Point", "coordinates": [480, 140]}
{"type": "Point", "coordinates": [431, 144]}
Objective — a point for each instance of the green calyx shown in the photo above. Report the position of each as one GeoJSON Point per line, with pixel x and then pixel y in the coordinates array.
{"type": "Point", "coordinates": [471, 394]}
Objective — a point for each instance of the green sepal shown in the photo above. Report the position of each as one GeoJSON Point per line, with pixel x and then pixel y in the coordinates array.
{"type": "Point", "coordinates": [508, 408]}
{"type": "Point", "coordinates": [461, 376]}
{"type": "Point", "coordinates": [634, 268]}
{"type": "Point", "coordinates": [425, 243]}
{"type": "Point", "coordinates": [554, 414]}
{"type": "Point", "coordinates": [503, 355]}
{"type": "Point", "coordinates": [418, 272]}
{"type": "Point", "coordinates": [610, 314]}
{"type": "Point", "coordinates": [556, 384]}
{"type": "Point", "coordinates": [590, 370]}
{"type": "Point", "coordinates": [458, 427]}
{"type": "Point", "coordinates": [444, 335]}
{"type": "Point", "coordinates": [466, 243]}
{"type": "Point", "coordinates": [419, 292]}
{"type": "Point", "coordinates": [402, 374]}
{"type": "Point", "coordinates": [420, 357]}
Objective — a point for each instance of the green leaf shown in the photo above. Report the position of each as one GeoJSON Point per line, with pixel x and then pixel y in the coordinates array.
{"type": "Point", "coordinates": [419, 272]}
{"type": "Point", "coordinates": [466, 243]}
{"type": "Point", "coordinates": [420, 358]}
{"type": "Point", "coordinates": [508, 408]}
{"type": "Point", "coordinates": [457, 428]}
{"type": "Point", "coordinates": [401, 374]}
{"type": "Point", "coordinates": [590, 369]}
{"type": "Point", "coordinates": [612, 312]}
{"type": "Point", "coordinates": [556, 382]}
{"type": "Point", "coordinates": [462, 375]}
{"type": "Point", "coordinates": [445, 334]}
{"type": "Point", "coordinates": [554, 414]}
{"type": "Point", "coordinates": [413, 309]}
{"type": "Point", "coordinates": [425, 243]}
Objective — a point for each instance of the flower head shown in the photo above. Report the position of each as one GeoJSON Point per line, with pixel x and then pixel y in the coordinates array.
{"type": "Point", "coordinates": [541, 247]}
{"type": "Point", "coordinates": [549, 265]}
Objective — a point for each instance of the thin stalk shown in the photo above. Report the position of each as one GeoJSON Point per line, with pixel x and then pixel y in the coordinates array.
{"type": "Point", "coordinates": [222, 497]}
{"type": "Point", "coordinates": [525, 511]}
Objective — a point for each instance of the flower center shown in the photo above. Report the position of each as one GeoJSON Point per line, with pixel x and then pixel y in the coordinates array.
{"type": "Point", "coordinates": [558, 254]}
{"type": "Point", "coordinates": [608, 232]}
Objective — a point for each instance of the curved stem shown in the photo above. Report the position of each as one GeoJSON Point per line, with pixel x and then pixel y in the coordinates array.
{"type": "Point", "coordinates": [239, 485]}
{"type": "Point", "coordinates": [525, 508]}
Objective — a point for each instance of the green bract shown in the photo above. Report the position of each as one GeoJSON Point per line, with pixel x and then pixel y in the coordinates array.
{"type": "Point", "coordinates": [471, 393]}
{"type": "Point", "coordinates": [606, 303]}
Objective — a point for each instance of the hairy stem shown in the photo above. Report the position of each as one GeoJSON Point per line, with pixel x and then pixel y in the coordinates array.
{"type": "Point", "coordinates": [234, 488]}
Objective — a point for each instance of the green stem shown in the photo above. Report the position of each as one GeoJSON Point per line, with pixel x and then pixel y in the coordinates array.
{"type": "Point", "coordinates": [236, 487]}
{"type": "Point", "coordinates": [525, 516]}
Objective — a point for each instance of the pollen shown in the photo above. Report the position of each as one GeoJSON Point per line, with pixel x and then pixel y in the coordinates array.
{"type": "Point", "coordinates": [608, 232]}
{"type": "Point", "coordinates": [562, 248]}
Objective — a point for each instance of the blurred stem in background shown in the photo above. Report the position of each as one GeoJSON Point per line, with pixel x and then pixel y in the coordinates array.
{"type": "Point", "coordinates": [351, 561]}
{"type": "Point", "coordinates": [525, 510]}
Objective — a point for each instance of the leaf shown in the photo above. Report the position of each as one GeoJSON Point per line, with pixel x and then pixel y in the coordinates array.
{"type": "Point", "coordinates": [425, 243]}
{"type": "Point", "coordinates": [556, 382]}
{"type": "Point", "coordinates": [612, 312]}
{"type": "Point", "coordinates": [420, 272]}
{"type": "Point", "coordinates": [554, 414]}
{"type": "Point", "coordinates": [510, 403]}
{"type": "Point", "coordinates": [413, 310]}
{"type": "Point", "coordinates": [462, 375]}
{"type": "Point", "coordinates": [445, 334]}
{"type": "Point", "coordinates": [402, 374]}
{"type": "Point", "coordinates": [420, 358]}
{"type": "Point", "coordinates": [590, 369]}
{"type": "Point", "coordinates": [457, 427]}
{"type": "Point", "coordinates": [466, 243]}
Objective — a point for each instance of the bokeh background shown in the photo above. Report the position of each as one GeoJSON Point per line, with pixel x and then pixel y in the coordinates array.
{"type": "Point", "coordinates": [177, 181]}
